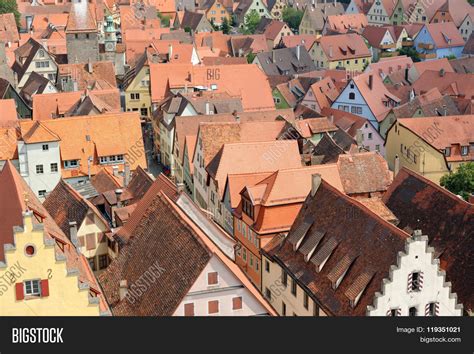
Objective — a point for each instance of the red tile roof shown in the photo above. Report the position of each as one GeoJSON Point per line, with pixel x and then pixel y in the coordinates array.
{"type": "Point", "coordinates": [445, 35]}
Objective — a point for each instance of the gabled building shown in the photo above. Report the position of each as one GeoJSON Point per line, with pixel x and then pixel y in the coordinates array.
{"type": "Point", "coordinates": [32, 56]}
{"type": "Point", "coordinates": [432, 208]}
{"type": "Point", "coordinates": [346, 23]}
{"type": "Point", "coordinates": [245, 7]}
{"type": "Point", "coordinates": [192, 264]}
{"type": "Point", "coordinates": [321, 95]}
{"type": "Point", "coordinates": [90, 75]}
{"type": "Point", "coordinates": [460, 13]}
{"type": "Point", "coordinates": [274, 31]}
{"type": "Point", "coordinates": [347, 51]}
{"type": "Point", "coordinates": [51, 277]}
{"type": "Point", "coordinates": [380, 12]}
{"type": "Point", "coordinates": [196, 22]}
{"type": "Point", "coordinates": [315, 16]}
{"type": "Point", "coordinates": [323, 270]}
{"type": "Point", "coordinates": [359, 7]}
{"type": "Point", "coordinates": [82, 223]}
{"type": "Point", "coordinates": [439, 40]}
{"type": "Point", "coordinates": [430, 146]}
{"type": "Point", "coordinates": [448, 83]}
{"type": "Point", "coordinates": [366, 96]}
{"type": "Point", "coordinates": [381, 42]}
{"type": "Point", "coordinates": [215, 11]}
{"type": "Point", "coordinates": [36, 84]}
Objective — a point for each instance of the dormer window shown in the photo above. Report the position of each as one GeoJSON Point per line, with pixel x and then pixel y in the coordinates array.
{"type": "Point", "coordinates": [247, 207]}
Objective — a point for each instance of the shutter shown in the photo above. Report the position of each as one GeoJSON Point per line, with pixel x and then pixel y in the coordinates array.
{"type": "Point", "coordinates": [437, 308]}
{"type": "Point", "coordinates": [409, 282]}
{"type": "Point", "coordinates": [237, 303]}
{"type": "Point", "coordinates": [427, 309]}
{"type": "Point", "coordinates": [420, 280]}
{"type": "Point", "coordinates": [20, 294]}
{"type": "Point", "coordinates": [44, 288]}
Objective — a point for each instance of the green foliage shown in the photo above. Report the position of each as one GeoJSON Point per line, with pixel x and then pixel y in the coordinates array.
{"type": "Point", "coordinates": [165, 20]}
{"type": "Point", "coordinates": [214, 26]}
{"type": "Point", "coordinates": [251, 22]}
{"type": "Point", "coordinates": [292, 17]}
{"type": "Point", "coordinates": [251, 57]}
{"type": "Point", "coordinates": [187, 29]}
{"type": "Point", "coordinates": [410, 52]}
{"type": "Point", "coordinates": [10, 6]}
{"type": "Point", "coordinates": [460, 182]}
{"type": "Point", "coordinates": [225, 27]}
{"type": "Point", "coordinates": [451, 57]}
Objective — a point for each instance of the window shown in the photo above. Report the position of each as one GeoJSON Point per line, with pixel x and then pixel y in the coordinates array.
{"type": "Point", "coordinates": [293, 287]}
{"type": "Point", "coordinates": [267, 266]}
{"type": "Point", "coordinates": [213, 306]}
{"type": "Point", "coordinates": [135, 96]}
{"type": "Point", "coordinates": [393, 312]}
{"type": "Point", "coordinates": [42, 193]}
{"type": "Point", "coordinates": [212, 278]}
{"type": "Point", "coordinates": [103, 261]}
{"type": "Point", "coordinates": [464, 150]}
{"type": "Point", "coordinates": [377, 148]}
{"type": "Point", "coordinates": [305, 300]}
{"type": "Point", "coordinates": [189, 309]}
{"type": "Point", "coordinates": [144, 111]}
{"type": "Point", "coordinates": [45, 147]}
{"type": "Point", "coordinates": [412, 311]}
{"type": "Point", "coordinates": [268, 294]}
{"type": "Point", "coordinates": [447, 152]}
{"type": "Point", "coordinates": [32, 287]}
{"type": "Point", "coordinates": [247, 207]}
{"type": "Point", "coordinates": [244, 253]}
{"type": "Point", "coordinates": [237, 303]}
{"type": "Point", "coordinates": [42, 64]}
{"type": "Point", "coordinates": [284, 278]}
{"type": "Point", "coordinates": [54, 167]}
{"type": "Point", "coordinates": [92, 263]}
{"type": "Point", "coordinates": [432, 309]}
{"type": "Point", "coordinates": [39, 169]}
{"type": "Point", "coordinates": [356, 110]}
{"type": "Point", "coordinates": [352, 96]}
{"type": "Point", "coordinates": [370, 136]}
{"type": "Point", "coordinates": [41, 53]}
{"type": "Point", "coordinates": [251, 259]}
{"type": "Point", "coordinates": [257, 266]}
{"type": "Point", "coordinates": [283, 309]}
{"type": "Point", "coordinates": [71, 163]}
{"type": "Point", "coordinates": [415, 281]}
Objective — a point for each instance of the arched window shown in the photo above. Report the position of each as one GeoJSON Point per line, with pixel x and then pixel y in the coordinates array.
{"type": "Point", "coordinates": [352, 96]}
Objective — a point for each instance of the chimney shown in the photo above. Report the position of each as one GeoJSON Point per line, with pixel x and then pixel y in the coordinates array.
{"type": "Point", "coordinates": [371, 79]}
{"type": "Point", "coordinates": [208, 108]}
{"type": "Point", "coordinates": [315, 183]}
{"type": "Point", "coordinates": [330, 51]}
{"type": "Point", "coordinates": [445, 110]}
{"type": "Point", "coordinates": [298, 51]}
{"type": "Point", "coordinates": [118, 194]}
{"type": "Point", "coordinates": [123, 289]}
{"type": "Point", "coordinates": [115, 171]}
{"type": "Point", "coordinates": [73, 232]}
{"type": "Point", "coordinates": [89, 66]}
{"type": "Point", "coordinates": [126, 174]}
{"type": "Point", "coordinates": [170, 52]}
{"type": "Point", "coordinates": [396, 168]}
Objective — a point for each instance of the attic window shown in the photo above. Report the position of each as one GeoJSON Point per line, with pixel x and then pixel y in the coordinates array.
{"type": "Point", "coordinates": [213, 87]}
{"type": "Point", "coordinates": [88, 138]}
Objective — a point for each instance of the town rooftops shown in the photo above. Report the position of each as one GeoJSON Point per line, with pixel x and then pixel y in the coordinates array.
{"type": "Point", "coordinates": [8, 29]}
{"type": "Point", "coordinates": [447, 220]}
{"type": "Point", "coordinates": [346, 23]}
{"type": "Point", "coordinates": [339, 269]}
{"type": "Point", "coordinates": [444, 35]}
{"type": "Point", "coordinates": [448, 83]}
{"type": "Point", "coordinates": [451, 132]}
{"type": "Point", "coordinates": [8, 113]}
{"type": "Point", "coordinates": [89, 136]}
{"type": "Point", "coordinates": [286, 61]}
{"type": "Point", "coordinates": [343, 47]}
{"type": "Point", "coordinates": [387, 66]}
{"type": "Point", "coordinates": [100, 74]}
{"type": "Point", "coordinates": [306, 40]}
{"type": "Point", "coordinates": [458, 10]}
{"type": "Point", "coordinates": [311, 126]}
{"type": "Point", "coordinates": [247, 81]}
{"type": "Point", "coordinates": [16, 199]}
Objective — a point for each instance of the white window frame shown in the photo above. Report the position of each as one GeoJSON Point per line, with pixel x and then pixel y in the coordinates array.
{"type": "Point", "coordinates": [31, 284]}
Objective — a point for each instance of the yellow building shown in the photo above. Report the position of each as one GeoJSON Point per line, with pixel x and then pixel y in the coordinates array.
{"type": "Point", "coordinates": [430, 146]}
{"type": "Point", "coordinates": [347, 51]}
{"type": "Point", "coordinates": [216, 12]}
{"type": "Point", "coordinates": [42, 272]}
{"type": "Point", "coordinates": [137, 87]}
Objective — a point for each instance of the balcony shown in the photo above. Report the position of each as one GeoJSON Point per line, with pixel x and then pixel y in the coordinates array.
{"type": "Point", "coordinates": [428, 46]}
{"type": "Point", "coordinates": [425, 56]}
{"type": "Point", "coordinates": [387, 46]}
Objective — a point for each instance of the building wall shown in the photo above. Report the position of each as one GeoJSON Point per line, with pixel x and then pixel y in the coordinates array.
{"type": "Point", "coordinates": [64, 299]}
{"type": "Point", "coordinates": [429, 162]}
{"type": "Point", "coordinates": [82, 47]}
{"type": "Point", "coordinates": [199, 176]}
{"type": "Point", "coordinates": [217, 13]}
{"type": "Point", "coordinates": [279, 294]}
{"type": "Point", "coordinates": [48, 72]}
{"type": "Point", "coordinates": [378, 15]}
{"type": "Point", "coordinates": [139, 85]}
{"type": "Point", "coordinates": [96, 227]}
{"type": "Point", "coordinates": [425, 37]}
{"type": "Point", "coordinates": [371, 139]}
{"type": "Point", "coordinates": [228, 287]}
{"type": "Point", "coordinates": [466, 28]}
{"type": "Point", "coordinates": [280, 102]}
{"type": "Point", "coordinates": [396, 293]}
{"type": "Point", "coordinates": [31, 155]}
{"type": "Point", "coordinates": [352, 8]}
{"type": "Point", "coordinates": [398, 14]}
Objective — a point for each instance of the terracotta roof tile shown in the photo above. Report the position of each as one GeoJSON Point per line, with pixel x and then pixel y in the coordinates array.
{"type": "Point", "coordinates": [344, 46]}
{"type": "Point", "coordinates": [346, 23]}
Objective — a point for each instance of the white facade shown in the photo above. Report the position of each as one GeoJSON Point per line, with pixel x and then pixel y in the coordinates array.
{"type": "Point", "coordinates": [398, 295]}
{"type": "Point", "coordinates": [466, 28]}
{"type": "Point", "coordinates": [37, 165]}
{"type": "Point", "coordinates": [227, 288]}
{"type": "Point", "coordinates": [42, 64]}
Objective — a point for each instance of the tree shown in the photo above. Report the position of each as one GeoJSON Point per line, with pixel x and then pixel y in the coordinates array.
{"type": "Point", "coordinates": [460, 182]}
{"type": "Point", "coordinates": [251, 22]}
{"type": "Point", "coordinates": [165, 20]}
{"type": "Point", "coordinates": [10, 6]}
{"type": "Point", "coordinates": [292, 17]}
{"type": "Point", "coordinates": [410, 52]}
{"type": "Point", "coordinates": [214, 26]}
{"type": "Point", "coordinates": [250, 57]}
{"type": "Point", "coordinates": [225, 27]}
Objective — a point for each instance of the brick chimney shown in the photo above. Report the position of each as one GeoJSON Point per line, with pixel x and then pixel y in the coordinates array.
{"type": "Point", "coordinates": [371, 81]}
